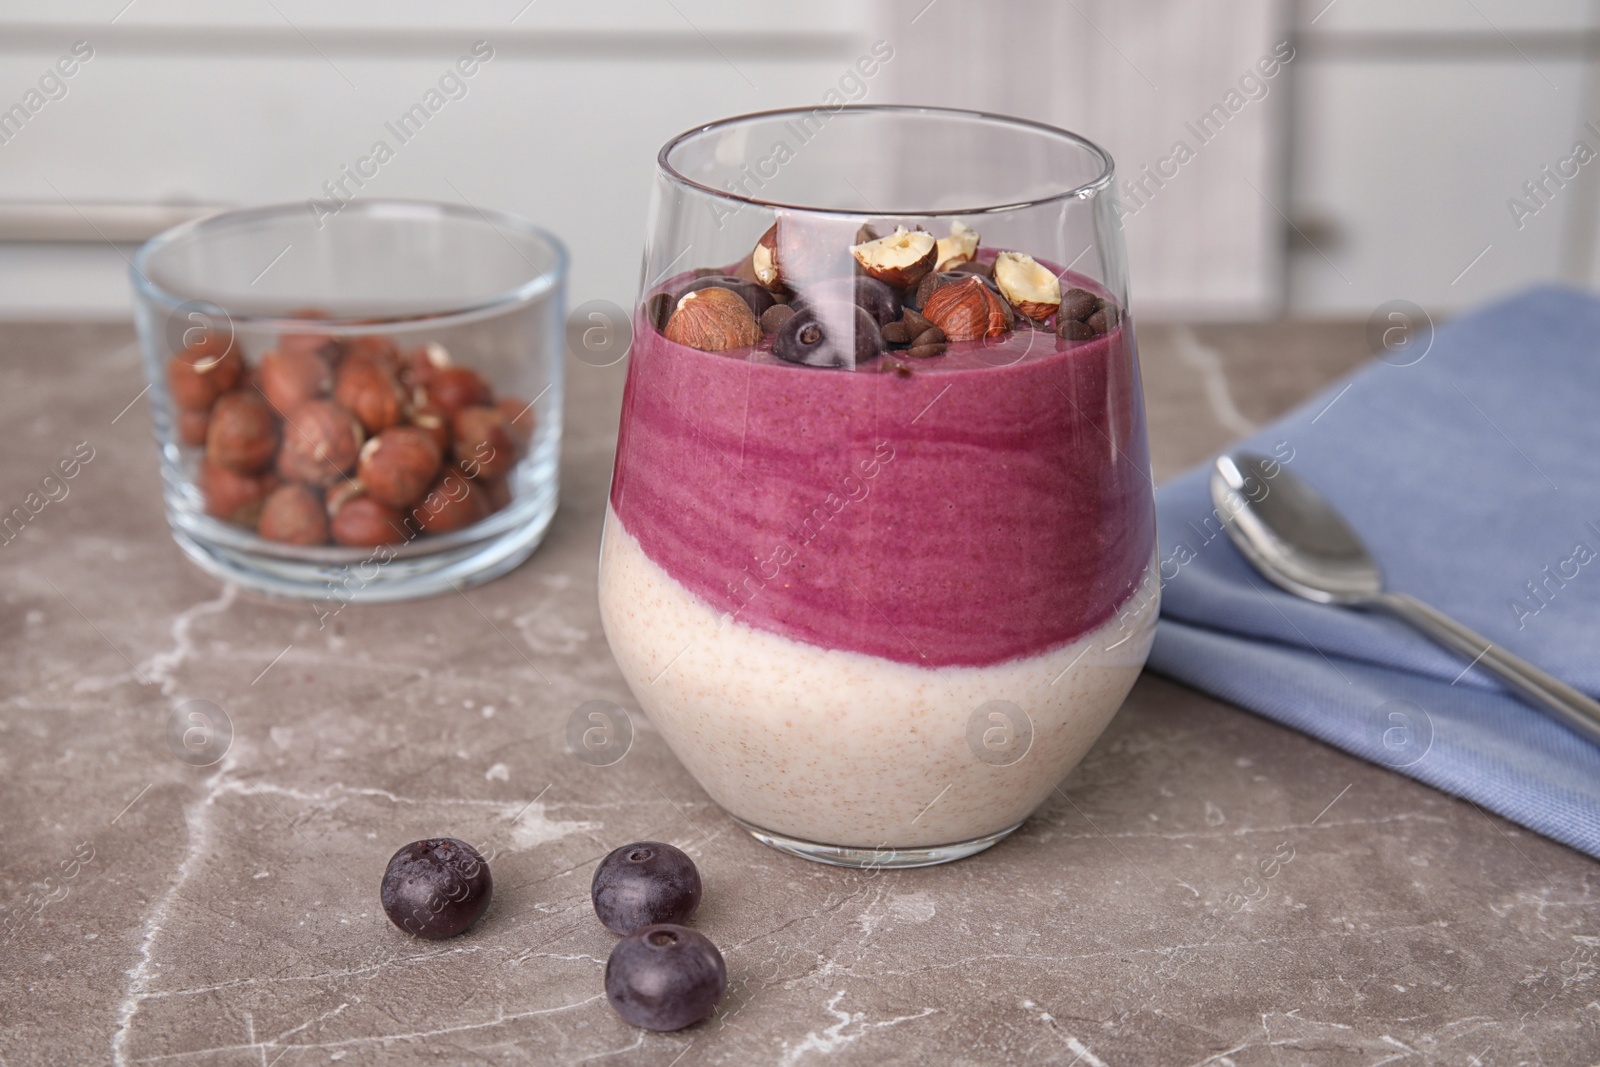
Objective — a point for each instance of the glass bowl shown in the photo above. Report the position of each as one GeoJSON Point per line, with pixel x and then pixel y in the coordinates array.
{"type": "Point", "coordinates": [361, 404]}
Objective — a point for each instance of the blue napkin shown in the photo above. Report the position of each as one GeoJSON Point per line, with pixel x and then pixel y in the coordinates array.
{"type": "Point", "coordinates": [1473, 475]}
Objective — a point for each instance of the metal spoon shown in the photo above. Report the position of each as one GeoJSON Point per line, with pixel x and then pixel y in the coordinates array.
{"type": "Point", "coordinates": [1297, 540]}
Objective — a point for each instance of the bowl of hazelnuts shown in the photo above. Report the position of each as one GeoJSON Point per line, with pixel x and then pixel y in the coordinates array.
{"type": "Point", "coordinates": [360, 405]}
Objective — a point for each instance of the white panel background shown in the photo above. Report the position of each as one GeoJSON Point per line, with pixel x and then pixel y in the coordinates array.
{"type": "Point", "coordinates": [1405, 127]}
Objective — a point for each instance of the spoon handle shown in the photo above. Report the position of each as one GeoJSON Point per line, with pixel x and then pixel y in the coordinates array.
{"type": "Point", "coordinates": [1573, 708]}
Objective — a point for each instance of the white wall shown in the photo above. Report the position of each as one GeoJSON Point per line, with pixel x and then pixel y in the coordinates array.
{"type": "Point", "coordinates": [1415, 124]}
{"type": "Point", "coordinates": [186, 101]}
{"type": "Point", "coordinates": [1392, 142]}
{"type": "Point", "coordinates": [1206, 240]}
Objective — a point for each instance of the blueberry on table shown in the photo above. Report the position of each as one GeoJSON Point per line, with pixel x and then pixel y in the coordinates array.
{"type": "Point", "coordinates": [665, 977]}
{"type": "Point", "coordinates": [642, 884]}
{"type": "Point", "coordinates": [436, 888]}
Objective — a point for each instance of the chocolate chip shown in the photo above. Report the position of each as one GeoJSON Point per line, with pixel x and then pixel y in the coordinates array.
{"type": "Point", "coordinates": [775, 316]}
{"type": "Point", "coordinates": [1078, 304]}
{"type": "Point", "coordinates": [924, 351]}
{"type": "Point", "coordinates": [902, 370]}
{"type": "Point", "coordinates": [926, 287]}
{"type": "Point", "coordinates": [1073, 330]}
{"type": "Point", "coordinates": [914, 322]}
{"type": "Point", "coordinates": [1103, 320]}
{"type": "Point", "coordinates": [897, 333]}
{"type": "Point", "coordinates": [931, 336]}
{"type": "Point", "coordinates": [866, 233]}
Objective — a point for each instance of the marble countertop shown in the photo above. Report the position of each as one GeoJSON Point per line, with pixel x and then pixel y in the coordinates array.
{"type": "Point", "coordinates": [162, 913]}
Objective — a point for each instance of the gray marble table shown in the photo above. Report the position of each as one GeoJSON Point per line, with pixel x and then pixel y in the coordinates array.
{"type": "Point", "coordinates": [229, 915]}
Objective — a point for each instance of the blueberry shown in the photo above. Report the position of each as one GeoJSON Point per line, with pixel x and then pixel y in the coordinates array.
{"type": "Point", "coordinates": [436, 888]}
{"type": "Point", "coordinates": [644, 883]}
{"type": "Point", "coordinates": [754, 295]}
{"type": "Point", "coordinates": [869, 294]}
{"type": "Point", "coordinates": [665, 977]}
{"type": "Point", "coordinates": [804, 338]}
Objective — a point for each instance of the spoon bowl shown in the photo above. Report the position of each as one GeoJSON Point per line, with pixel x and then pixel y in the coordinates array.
{"type": "Point", "coordinates": [1299, 541]}
{"type": "Point", "coordinates": [1291, 533]}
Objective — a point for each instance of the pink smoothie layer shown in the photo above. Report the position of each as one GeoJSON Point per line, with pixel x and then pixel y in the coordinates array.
{"type": "Point", "coordinates": [994, 504]}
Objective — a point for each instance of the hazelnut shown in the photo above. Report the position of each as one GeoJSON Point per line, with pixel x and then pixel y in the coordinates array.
{"type": "Point", "coordinates": [321, 441]}
{"type": "Point", "coordinates": [520, 420]}
{"type": "Point", "coordinates": [370, 392]}
{"type": "Point", "coordinates": [968, 310]}
{"type": "Point", "coordinates": [1032, 288]}
{"type": "Point", "coordinates": [202, 372]}
{"type": "Point", "coordinates": [754, 294]}
{"type": "Point", "coordinates": [375, 349]}
{"type": "Point", "coordinates": [341, 493]}
{"type": "Point", "coordinates": [231, 496]}
{"type": "Point", "coordinates": [497, 491]}
{"type": "Point", "coordinates": [452, 388]}
{"type": "Point", "coordinates": [423, 362]}
{"type": "Point", "coordinates": [399, 465]}
{"type": "Point", "coordinates": [789, 256]}
{"type": "Point", "coordinates": [485, 445]}
{"type": "Point", "coordinates": [764, 260]}
{"type": "Point", "coordinates": [960, 247]}
{"type": "Point", "coordinates": [453, 503]}
{"type": "Point", "coordinates": [900, 260]}
{"type": "Point", "coordinates": [713, 320]}
{"type": "Point", "coordinates": [243, 434]}
{"type": "Point", "coordinates": [192, 426]}
{"type": "Point", "coordinates": [294, 515]}
{"type": "Point", "coordinates": [290, 377]}
{"type": "Point", "coordinates": [316, 344]}
{"type": "Point", "coordinates": [362, 522]}
{"type": "Point", "coordinates": [435, 422]}
{"type": "Point", "coordinates": [744, 270]}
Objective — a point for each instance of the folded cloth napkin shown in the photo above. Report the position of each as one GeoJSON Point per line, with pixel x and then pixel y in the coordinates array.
{"type": "Point", "coordinates": [1473, 475]}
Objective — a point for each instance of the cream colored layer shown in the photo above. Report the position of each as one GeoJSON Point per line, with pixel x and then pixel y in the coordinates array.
{"type": "Point", "coordinates": [842, 748]}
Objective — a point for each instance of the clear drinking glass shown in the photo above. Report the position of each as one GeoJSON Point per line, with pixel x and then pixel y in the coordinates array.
{"type": "Point", "coordinates": [284, 346]}
{"type": "Point", "coordinates": [880, 589]}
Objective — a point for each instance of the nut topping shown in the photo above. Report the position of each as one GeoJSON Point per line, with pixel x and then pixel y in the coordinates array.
{"type": "Point", "coordinates": [968, 310]}
{"type": "Point", "coordinates": [960, 247]}
{"type": "Point", "coordinates": [900, 260]}
{"type": "Point", "coordinates": [1030, 286]}
{"type": "Point", "coordinates": [713, 320]}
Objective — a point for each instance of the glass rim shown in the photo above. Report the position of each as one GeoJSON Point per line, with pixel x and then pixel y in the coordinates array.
{"type": "Point", "coordinates": [1101, 181]}
{"type": "Point", "coordinates": [540, 283]}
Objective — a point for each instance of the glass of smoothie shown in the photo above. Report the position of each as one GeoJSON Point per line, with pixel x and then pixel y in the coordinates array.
{"type": "Point", "coordinates": [878, 558]}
